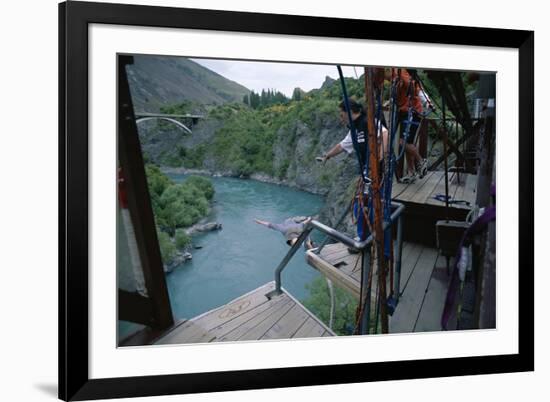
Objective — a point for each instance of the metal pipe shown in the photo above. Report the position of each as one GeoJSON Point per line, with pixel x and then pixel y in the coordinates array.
{"type": "Point", "coordinates": [445, 154]}
{"type": "Point", "coordinates": [463, 153]}
{"type": "Point", "coordinates": [339, 236]}
{"type": "Point", "coordinates": [398, 254]}
{"type": "Point", "coordinates": [288, 256]}
{"type": "Point", "coordinates": [359, 245]}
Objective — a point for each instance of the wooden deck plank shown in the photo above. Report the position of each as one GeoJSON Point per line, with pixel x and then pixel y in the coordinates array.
{"type": "Point", "coordinates": [440, 189]}
{"type": "Point", "coordinates": [408, 263]}
{"type": "Point", "coordinates": [398, 188]}
{"type": "Point", "coordinates": [288, 324]}
{"type": "Point", "coordinates": [256, 328]}
{"type": "Point", "coordinates": [349, 265]}
{"type": "Point", "coordinates": [188, 332]}
{"type": "Point", "coordinates": [262, 320]}
{"type": "Point", "coordinates": [429, 318]}
{"type": "Point", "coordinates": [404, 191]}
{"type": "Point", "coordinates": [470, 189]}
{"type": "Point", "coordinates": [462, 185]}
{"type": "Point", "coordinates": [336, 255]}
{"type": "Point", "coordinates": [421, 185]}
{"type": "Point", "coordinates": [408, 309]}
{"type": "Point", "coordinates": [223, 329]}
{"type": "Point", "coordinates": [309, 329]}
{"type": "Point", "coordinates": [429, 183]}
{"type": "Point", "coordinates": [407, 248]}
{"type": "Point", "coordinates": [234, 308]}
{"type": "Point", "coordinates": [330, 250]}
{"type": "Point", "coordinates": [454, 186]}
{"type": "Point", "coordinates": [465, 191]}
{"type": "Point", "coordinates": [423, 190]}
{"type": "Point", "coordinates": [341, 258]}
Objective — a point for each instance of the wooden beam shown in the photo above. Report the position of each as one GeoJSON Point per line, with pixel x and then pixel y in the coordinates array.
{"type": "Point", "coordinates": [334, 274]}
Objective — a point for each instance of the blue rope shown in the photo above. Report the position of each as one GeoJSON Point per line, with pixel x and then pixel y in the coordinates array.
{"type": "Point", "coordinates": [362, 158]}
{"type": "Point", "coordinates": [363, 166]}
{"type": "Point", "coordinates": [408, 123]}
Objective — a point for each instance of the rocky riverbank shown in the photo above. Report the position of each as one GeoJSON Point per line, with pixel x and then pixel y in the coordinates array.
{"type": "Point", "coordinates": [264, 178]}
{"type": "Point", "coordinates": [181, 257]}
{"type": "Point", "coordinates": [203, 227]}
{"type": "Point", "coordinates": [184, 254]}
{"type": "Point", "coordinates": [337, 194]}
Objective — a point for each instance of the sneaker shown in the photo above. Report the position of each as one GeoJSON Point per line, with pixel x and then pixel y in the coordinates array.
{"type": "Point", "coordinates": [410, 178]}
{"type": "Point", "coordinates": [422, 168]}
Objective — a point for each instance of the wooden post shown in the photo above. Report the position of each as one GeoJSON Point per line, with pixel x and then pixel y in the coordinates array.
{"type": "Point", "coordinates": [139, 205]}
{"type": "Point", "coordinates": [377, 201]}
{"type": "Point", "coordinates": [445, 155]}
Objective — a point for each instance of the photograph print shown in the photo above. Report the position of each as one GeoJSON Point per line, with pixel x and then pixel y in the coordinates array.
{"type": "Point", "coordinates": [270, 200]}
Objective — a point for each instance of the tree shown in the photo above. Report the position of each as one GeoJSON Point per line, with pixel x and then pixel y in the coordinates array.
{"type": "Point", "coordinates": [182, 239]}
{"type": "Point", "coordinates": [177, 205]}
{"type": "Point", "coordinates": [297, 94]}
{"type": "Point", "coordinates": [254, 100]}
{"type": "Point", "coordinates": [344, 307]}
{"type": "Point", "coordinates": [167, 248]}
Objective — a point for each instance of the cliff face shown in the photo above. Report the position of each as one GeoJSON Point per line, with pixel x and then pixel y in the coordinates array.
{"type": "Point", "coordinates": [285, 154]}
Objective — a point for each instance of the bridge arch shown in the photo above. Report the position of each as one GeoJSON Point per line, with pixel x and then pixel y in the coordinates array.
{"type": "Point", "coordinates": [174, 121]}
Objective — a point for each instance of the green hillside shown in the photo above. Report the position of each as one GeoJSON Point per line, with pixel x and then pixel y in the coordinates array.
{"type": "Point", "coordinates": [157, 81]}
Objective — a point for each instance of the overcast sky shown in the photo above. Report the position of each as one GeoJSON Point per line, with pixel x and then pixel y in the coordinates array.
{"type": "Point", "coordinates": [283, 77]}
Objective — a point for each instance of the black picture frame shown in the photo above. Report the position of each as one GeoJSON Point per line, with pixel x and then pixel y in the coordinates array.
{"type": "Point", "coordinates": [74, 381]}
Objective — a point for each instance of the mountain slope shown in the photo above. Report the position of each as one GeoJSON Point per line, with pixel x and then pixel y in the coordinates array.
{"type": "Point", "coordinates": [157, 81]}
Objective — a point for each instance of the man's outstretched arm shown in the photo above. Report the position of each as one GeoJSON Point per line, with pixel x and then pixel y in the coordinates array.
{"type": "Point", "coordinates": [335, 150]}
{"type": "Point", "coordinates": [260, 222]}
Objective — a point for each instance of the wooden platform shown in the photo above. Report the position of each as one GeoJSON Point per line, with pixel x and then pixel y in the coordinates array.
{"type": "Point", "coordinates": [462, 187]}
{"type": "Point", "coordinates": [252, 316]}
{"type": "Point", "coordinates": [422, 211]}
{"type": "Point", "coordinates": [423, 284]}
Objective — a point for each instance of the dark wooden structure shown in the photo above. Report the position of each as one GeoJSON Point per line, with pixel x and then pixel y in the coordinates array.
{"type": "Point", "coordinates": [423, 209]}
